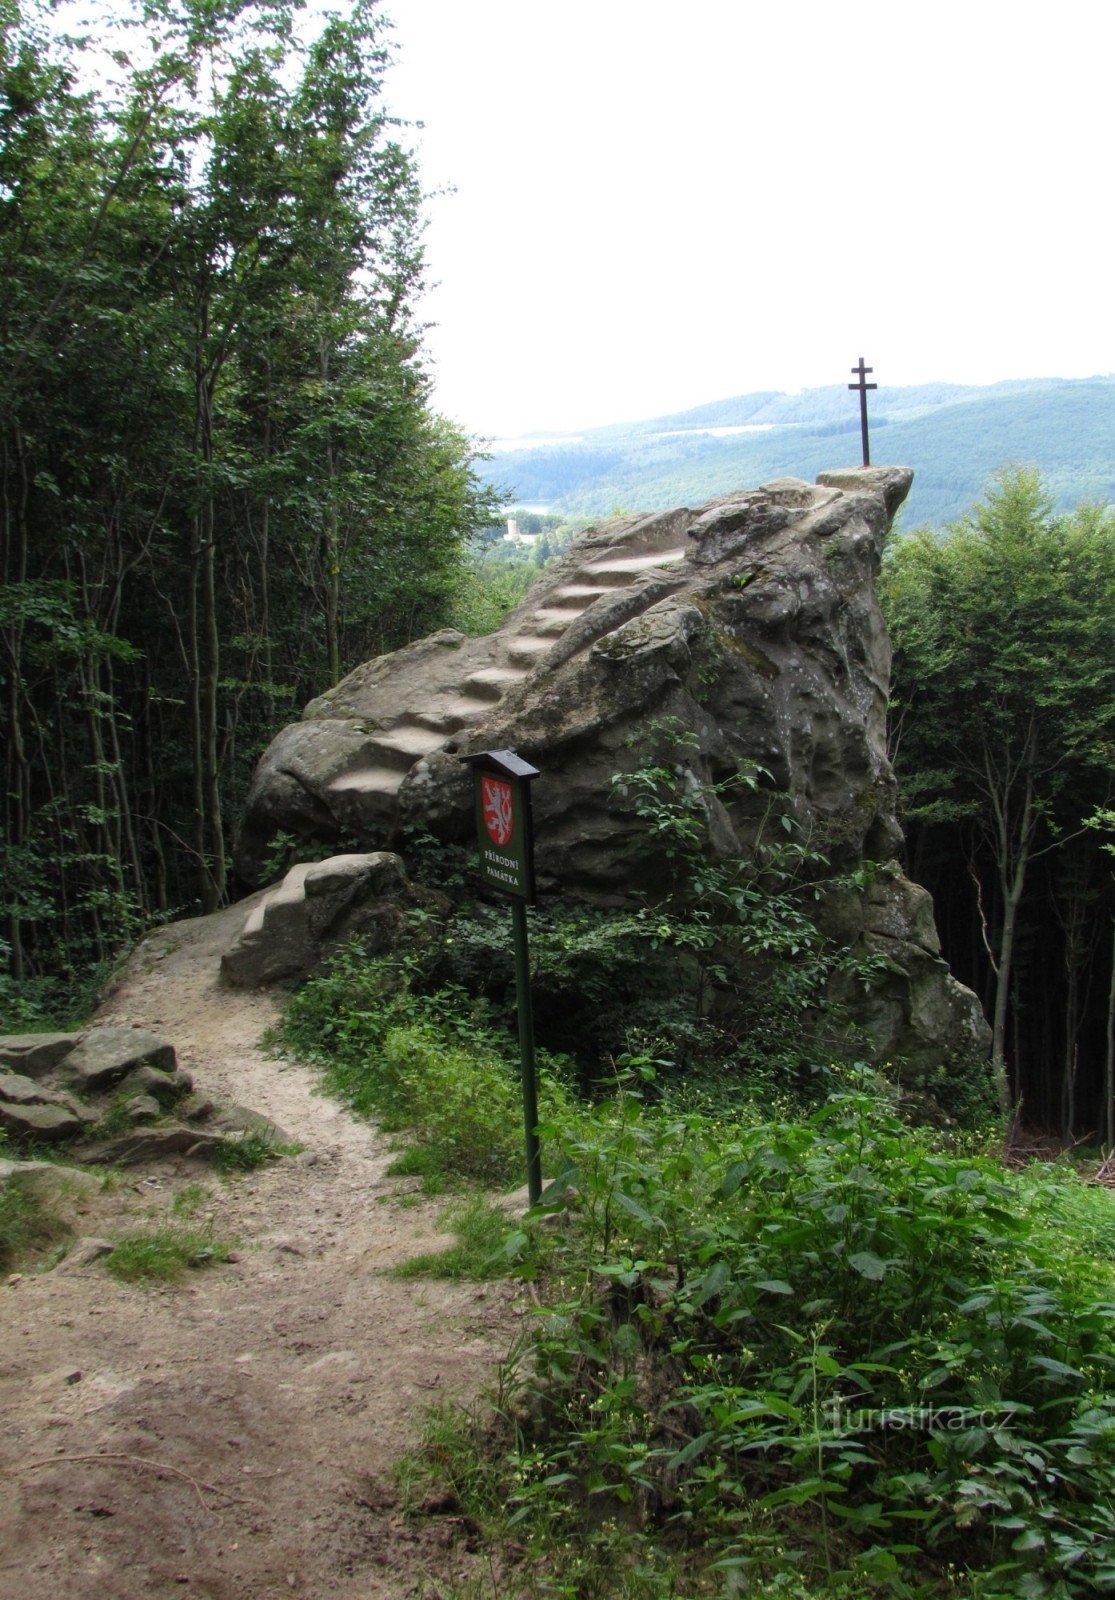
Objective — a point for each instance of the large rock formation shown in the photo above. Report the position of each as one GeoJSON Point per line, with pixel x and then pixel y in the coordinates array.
{"type": "Point", "coordinates": [749, 628]}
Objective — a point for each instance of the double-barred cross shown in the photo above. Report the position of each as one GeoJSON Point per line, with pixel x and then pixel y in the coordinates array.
{"type": "Point", "coordinates": [860, 373]}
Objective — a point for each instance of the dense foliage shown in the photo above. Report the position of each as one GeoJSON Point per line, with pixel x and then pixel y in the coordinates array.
{"type": "Point", "coordinates": [220, 482]}
{"type": "Point", "coordinates": [1003, 729]}
{"type": "Point", "coordinates": [785, 1342]}
{"type": "Point", "coordinates": [820, 1347]}
{"type": "Point", "coordinates": [787, 1350]}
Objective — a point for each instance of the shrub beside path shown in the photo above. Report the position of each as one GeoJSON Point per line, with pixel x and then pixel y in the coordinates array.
{"type": "Point", "coordinates": [232, 1435]}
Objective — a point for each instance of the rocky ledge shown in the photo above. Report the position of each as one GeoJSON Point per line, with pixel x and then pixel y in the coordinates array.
{"type": "Point", "coordinates": [113, 1096]}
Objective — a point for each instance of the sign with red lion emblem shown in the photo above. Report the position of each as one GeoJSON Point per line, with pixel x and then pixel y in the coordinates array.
{"type": "Point", "coordinates": [504, 834]}
{"type": "Point", "coordinates": [498, 800]}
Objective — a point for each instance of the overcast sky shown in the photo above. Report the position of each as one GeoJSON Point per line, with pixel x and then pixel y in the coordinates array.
{"type": "Point", "coordinates": [657, 204]}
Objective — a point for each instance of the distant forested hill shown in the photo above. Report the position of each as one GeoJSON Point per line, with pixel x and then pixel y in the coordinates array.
{"type": "Point", "coordinates": [954, 437]}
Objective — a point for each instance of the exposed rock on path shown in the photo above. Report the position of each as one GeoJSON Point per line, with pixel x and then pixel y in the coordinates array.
{"type": "Point", "coordinates": [242, 1425]}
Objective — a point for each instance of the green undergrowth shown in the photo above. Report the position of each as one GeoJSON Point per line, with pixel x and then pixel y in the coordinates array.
{"type": "Point", "coordinates": [164, 1253]}
{"type": "Point", "coordinates": [433, 1068]}
{"type": "Point", "coordinates": [250, 1151]}
{"type": "Point", "coordinates": [486, 1243]}
{"type": "Point", "coordinates": [27, 1226]}
{"type": "Point", "coordinates": [813, 1353]}
{"type": "Point", "coordinates": [785, 1343]}
{"type": "Point", "coordinates": [810, 1357]}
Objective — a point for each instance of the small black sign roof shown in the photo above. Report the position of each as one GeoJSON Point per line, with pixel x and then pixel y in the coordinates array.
{"type": "Point", "coordinates": [502, 761]}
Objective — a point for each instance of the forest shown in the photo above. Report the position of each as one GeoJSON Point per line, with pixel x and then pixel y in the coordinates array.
{"type": "Point", "coordinates": [1003, 735]}
{"type": "Point", "coordinates": [220, 478]}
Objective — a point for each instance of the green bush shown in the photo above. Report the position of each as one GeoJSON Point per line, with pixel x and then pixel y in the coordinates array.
{"type": "Point", "coordinates": [254, 1148]}
{"type": "Point", "coordinates": [432, 1065]}
{"type": "Point", "coordinates": [823, 1347]}
{"type": "Point", "coordinates": [26, 1225]}
{"type": "Point", "coordinates": [486, 1242]}
{"type": "Point", "coordinates": [466, 1107]}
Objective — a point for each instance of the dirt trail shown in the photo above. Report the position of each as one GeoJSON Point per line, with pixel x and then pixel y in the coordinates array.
{"type": "Point", "coordinates": [284, 1383]}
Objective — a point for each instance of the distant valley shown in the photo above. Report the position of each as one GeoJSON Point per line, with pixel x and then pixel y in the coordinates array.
{"type": "Point", "coordinates": [955, 437]}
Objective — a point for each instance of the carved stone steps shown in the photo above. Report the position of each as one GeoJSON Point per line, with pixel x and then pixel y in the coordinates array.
{"type": "Point", "coordinates": [626, 568]}
{"type": "Point", "coordinates": [493, 683]}
{"type": "Point", "coordinates": [529, 647]}
{"type": "Point", "coordinates": [369, 780]}
{"type": "Point", "coordinates": [552, 621]}
{"type": "Point", "coordinates": [410, 741]}
{"type": "Point", "coordinates": [291, 889]}
{"type": "Point", "coordinates": [577, 597]}
{"type": "Point", "coordinates": [470, 708]}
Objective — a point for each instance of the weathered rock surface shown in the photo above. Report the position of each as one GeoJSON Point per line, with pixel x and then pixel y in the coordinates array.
{"type": "Point", "coordinates": [36, 1054]}
{"type": "Point", "coordinates": [107, 1055]}
{"type": "Point", "coordinates": [152, 1144]}
{"type": "Point", "coordinates": [163, 1086]}
{"type": "Point", "coordinates": [34, 1111]}
{"type": "Point", "coordinates": [288, 928]}
{"type": "Point", "coordinates": [84, 1252]}
{"type": "Point", "coordinates": [41, 1121]}
{"type": "Point", "coordinates": [126, 1072]}
{"type": "Point", "coordinates": [749, 627]}
{"type": "Point", "coordinates": [752, 622]}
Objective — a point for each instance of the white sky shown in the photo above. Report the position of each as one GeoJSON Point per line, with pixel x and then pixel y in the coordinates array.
{"type": "Point", "coordinates": [663, 202]}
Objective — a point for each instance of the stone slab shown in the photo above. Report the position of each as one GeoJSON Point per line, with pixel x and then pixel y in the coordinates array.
{"type": "Point", "coordinates": [107, 1055]}
{"type": "Point", "coordinates": [36, 1054]}
{"type": "Point", "coordinates": [48, 1122]}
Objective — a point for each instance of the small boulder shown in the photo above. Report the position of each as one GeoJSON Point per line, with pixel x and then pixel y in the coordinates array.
{"type": "Point", "coordinates": [157, 1084]}
{"type": "Point", "coordinates": [231, 1118]}
{"type": "Point", "coordinates": [36, 1054]}
{"type": "Point", "coordinates": [107, 1055]}
{"type": "Point", "coordinates": [41, 1121]}
{"type": "Point", "coordinates": [143, 1108]}
{"type": "Point", "coordinates": [196, 1108]}
{"type": "Point", "coordinates": [83, 1253]}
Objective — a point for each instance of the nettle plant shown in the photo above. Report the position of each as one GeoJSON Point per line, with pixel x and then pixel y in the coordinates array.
{"type": "Point", "coordinates": [821, 1346]}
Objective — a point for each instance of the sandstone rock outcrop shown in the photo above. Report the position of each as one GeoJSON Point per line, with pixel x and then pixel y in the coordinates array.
{"type": "Point", "coordinates": [748, 627]}
{"type": "Point", "coordinates": [318, 903]}
{"type": "Point", "coordinates": [114, 1095]}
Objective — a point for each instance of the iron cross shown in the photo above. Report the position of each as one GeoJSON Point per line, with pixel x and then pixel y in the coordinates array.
{"type": "Point", "coordinates": [861, 372]}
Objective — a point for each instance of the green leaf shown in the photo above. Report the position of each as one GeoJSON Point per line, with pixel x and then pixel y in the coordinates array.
{"type": "Point", "coordinates": [634, 1209]}
{"type": "Point", "coordinates": [868, 1265]}
{"type": "Point", "coordinates": [733, 1178]}
{"type": "Point", "coordinates": [690, 1452]}
{"type": "Point", "coordinates": [1056, 1369]}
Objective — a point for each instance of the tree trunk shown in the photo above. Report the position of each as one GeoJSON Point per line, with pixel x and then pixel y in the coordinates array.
{"type": "Point", "coordinates": [1011, 901]}
{"type": "Point", "coordinates": [1109, 1054]}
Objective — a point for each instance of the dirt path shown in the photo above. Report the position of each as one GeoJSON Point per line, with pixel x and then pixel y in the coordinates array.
{"type": "Point", "coordinates": [285, 1383]}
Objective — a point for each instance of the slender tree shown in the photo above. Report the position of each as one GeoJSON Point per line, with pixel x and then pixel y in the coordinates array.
{"type": "Point", "coordinates": [1004, 633]}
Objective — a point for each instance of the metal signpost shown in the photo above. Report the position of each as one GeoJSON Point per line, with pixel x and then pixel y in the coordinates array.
{"type": "Point", "coordinates": [860, 373]}
{"type": "Point", "coordinates": [505, 839]}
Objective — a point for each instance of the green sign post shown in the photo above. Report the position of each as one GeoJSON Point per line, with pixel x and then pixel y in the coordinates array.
{"type": "Point", "coordinates": [505, 840]}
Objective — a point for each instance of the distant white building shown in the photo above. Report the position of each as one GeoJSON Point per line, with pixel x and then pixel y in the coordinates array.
{"type": "Point", "coordinates": [516, 537]}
